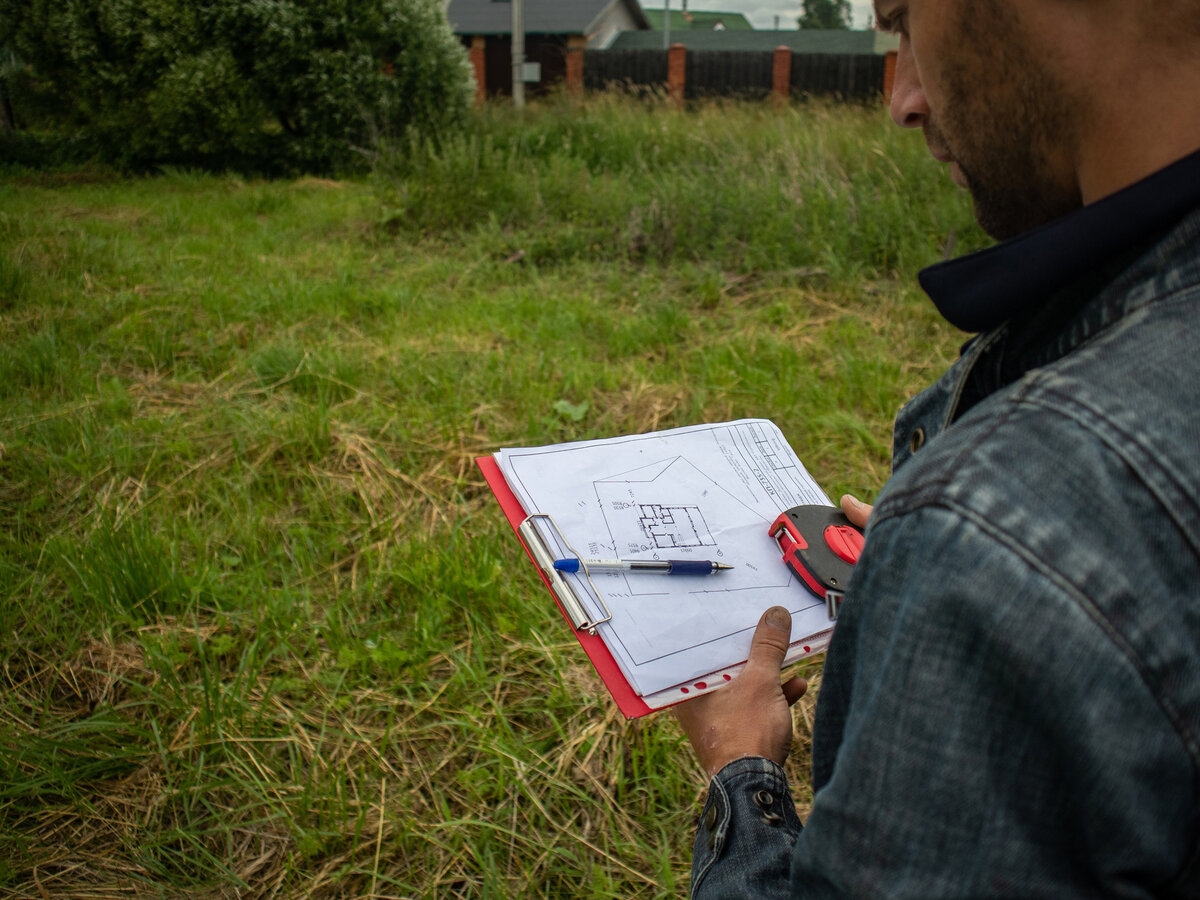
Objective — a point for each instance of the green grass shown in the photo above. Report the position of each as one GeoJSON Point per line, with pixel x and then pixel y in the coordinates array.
{"type": "Point", "coordinates": [266, 632]}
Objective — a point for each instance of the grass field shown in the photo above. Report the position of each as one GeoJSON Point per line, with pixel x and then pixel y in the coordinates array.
{"type": "Point", "coordinates": [265, 631]}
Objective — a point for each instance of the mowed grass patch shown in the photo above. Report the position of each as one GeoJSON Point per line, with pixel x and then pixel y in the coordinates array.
{"type": "Point", "coordinates": [266, 632]}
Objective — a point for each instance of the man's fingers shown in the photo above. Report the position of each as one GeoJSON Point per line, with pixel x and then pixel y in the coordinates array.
{"type": "Point", "coordinates": [769, 645]}
{"type": "Point", "coordinates": [746, 718]}
{"type": "Point", "coordinates": [856, 511]}
{"type": "Point", "coordinates": [794, 689]}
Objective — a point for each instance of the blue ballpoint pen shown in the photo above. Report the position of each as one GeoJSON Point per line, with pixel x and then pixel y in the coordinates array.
{"type": "Point", "coordinates": [657, 566]}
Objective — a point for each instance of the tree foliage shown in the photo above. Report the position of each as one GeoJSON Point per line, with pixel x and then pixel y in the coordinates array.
{"type": "Point", "coordinates": [263, 85]}
{"type": "Point", "coordinates": [826, 14]}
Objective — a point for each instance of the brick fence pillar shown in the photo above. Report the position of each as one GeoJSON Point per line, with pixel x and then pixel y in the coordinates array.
{"type": "Point", "coordinates": [676, 73]}
{"type": "Point", "coordinates": [479, 67]}
{"type": "Point", "coordinates": [889, 75]}
{"type": "Point", "coordinates": [576, 43]}
{"type": "Point", "coordinates": [781, 75]}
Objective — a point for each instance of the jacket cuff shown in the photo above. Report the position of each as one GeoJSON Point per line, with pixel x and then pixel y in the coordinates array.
{"type": "Point", "coordinates": [746, 833]}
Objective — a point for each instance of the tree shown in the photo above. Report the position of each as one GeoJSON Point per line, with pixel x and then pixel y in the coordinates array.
{"type": "Point", "coordinates": [10, 67]}
{"type": "Point", "coordinates": [270, 86]}
{"type": "Point", "coordinates": [826, 14]}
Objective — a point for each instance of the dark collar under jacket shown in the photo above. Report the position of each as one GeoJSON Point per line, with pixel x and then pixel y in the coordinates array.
{"type": "Point", "coordinates": [981, 291]}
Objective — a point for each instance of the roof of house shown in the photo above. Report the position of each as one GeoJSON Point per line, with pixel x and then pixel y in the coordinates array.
{"type": "Point", "coordinates": [541, 16]}
{"type": "Point", "coordinates": [808, 41]}
{"type": "Point", "coordinates": [705, 19]}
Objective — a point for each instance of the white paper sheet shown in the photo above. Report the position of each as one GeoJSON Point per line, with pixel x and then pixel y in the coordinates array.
{"type": "Point", "coordinates": [700, 492]}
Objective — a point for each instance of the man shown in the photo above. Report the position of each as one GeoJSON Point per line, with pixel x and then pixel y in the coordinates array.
{"type": "Point", "coordinates": [1010, 706]}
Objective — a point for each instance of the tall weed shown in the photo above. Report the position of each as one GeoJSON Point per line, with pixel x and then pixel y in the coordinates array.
{"type": "Point", "coordinates": [811, 185]}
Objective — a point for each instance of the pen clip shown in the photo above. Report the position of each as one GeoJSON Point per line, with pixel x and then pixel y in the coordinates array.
{"type": "Point", "coordinates": [535, 543]}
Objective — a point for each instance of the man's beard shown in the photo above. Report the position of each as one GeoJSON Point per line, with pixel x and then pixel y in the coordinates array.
{"type": "Point", "coordinates": [1013, 192]}
{"type": "Point", "coordinates": [1007, 120]}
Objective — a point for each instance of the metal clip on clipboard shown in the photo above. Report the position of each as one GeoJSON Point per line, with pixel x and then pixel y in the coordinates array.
{"type": "Point", "coordinates": [544, 556]}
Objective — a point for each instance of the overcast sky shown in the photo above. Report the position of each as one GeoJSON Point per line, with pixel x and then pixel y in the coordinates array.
{"type": "Point", "coordinates": [762, 13]}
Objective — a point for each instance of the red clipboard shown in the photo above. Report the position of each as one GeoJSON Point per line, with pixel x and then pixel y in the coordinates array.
{"type": "Point", "coordinates": [628, 701]}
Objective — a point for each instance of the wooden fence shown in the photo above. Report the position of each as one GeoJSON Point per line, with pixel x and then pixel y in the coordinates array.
{"type": "Point", "coordinates": [728, 73]}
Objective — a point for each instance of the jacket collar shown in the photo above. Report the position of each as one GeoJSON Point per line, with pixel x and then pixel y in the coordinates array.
{"type": "Point", "coordinates": [981, 291]}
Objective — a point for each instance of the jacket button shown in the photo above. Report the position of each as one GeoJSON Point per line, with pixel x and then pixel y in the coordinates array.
{"type": "Point", "coordinates": [710, 818]}
{"type": "Point", "coordinates": [764, 799]}
{"type": "Point", "coordinates": [916, 440]}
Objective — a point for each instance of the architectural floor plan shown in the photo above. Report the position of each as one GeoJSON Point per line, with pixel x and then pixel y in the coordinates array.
{"type": "Point", "coordinates": [703, 492]}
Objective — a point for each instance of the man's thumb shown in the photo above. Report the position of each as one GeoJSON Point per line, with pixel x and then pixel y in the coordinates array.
{"type": "Point", "coordinates": [769, 645]}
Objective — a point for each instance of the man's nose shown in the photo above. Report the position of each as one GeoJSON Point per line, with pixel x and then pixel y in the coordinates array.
{"type": "Point", "coordinates": [909, 107]}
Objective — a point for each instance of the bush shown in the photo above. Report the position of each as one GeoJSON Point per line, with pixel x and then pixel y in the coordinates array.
{"type": "Point", "coordinates": [270, 86]}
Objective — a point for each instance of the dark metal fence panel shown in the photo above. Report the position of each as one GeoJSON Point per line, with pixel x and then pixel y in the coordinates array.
{"type": "Point", "coordinates": [859, 77]}
{"type": "Point", "coordinates": [739, 73]}
{"type": "Point", "coordinates": [728, 73]}
{"type": "Point", "coordinates": [624, 68]}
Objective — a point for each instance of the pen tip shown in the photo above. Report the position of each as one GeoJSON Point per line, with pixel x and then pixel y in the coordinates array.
{"type": "Point", "coordinates": [719, 566]}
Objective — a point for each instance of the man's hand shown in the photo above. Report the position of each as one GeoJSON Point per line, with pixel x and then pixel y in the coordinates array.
{"type": "Point", "coordinates": [750, 717]}
{"type": "Point", "coordinates": [856, 511]}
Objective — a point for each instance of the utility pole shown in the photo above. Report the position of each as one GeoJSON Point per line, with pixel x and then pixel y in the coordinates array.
{"type": "Point", "coordinates": [667, 24]}
{"type": "Point", "coordinates": [518, 53]}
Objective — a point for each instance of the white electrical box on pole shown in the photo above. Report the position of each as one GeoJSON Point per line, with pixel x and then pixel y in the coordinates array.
{"type": "Point", "coordinates": [518, 53]}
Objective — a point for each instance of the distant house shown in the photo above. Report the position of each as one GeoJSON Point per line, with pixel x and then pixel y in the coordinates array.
{"type": "Point", "coordinates": [555, 31]}
{"type": "Point", "coordinates": [688, 20]}
{"type": "Point", "coordinates": [805, 42]}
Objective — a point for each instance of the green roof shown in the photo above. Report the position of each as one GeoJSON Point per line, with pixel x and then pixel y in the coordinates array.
{"type": "Point", "coordinates": [838, 43]}
{"type": "Point", "coordinates": [703, 21]}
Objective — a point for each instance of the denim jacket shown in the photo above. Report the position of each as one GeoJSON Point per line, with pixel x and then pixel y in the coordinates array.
{"type": "Point", "coordinates": [1011, 700]}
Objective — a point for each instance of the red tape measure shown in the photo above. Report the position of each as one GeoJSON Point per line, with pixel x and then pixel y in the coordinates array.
{"type": "Point", "coordinates": [820, 546]}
